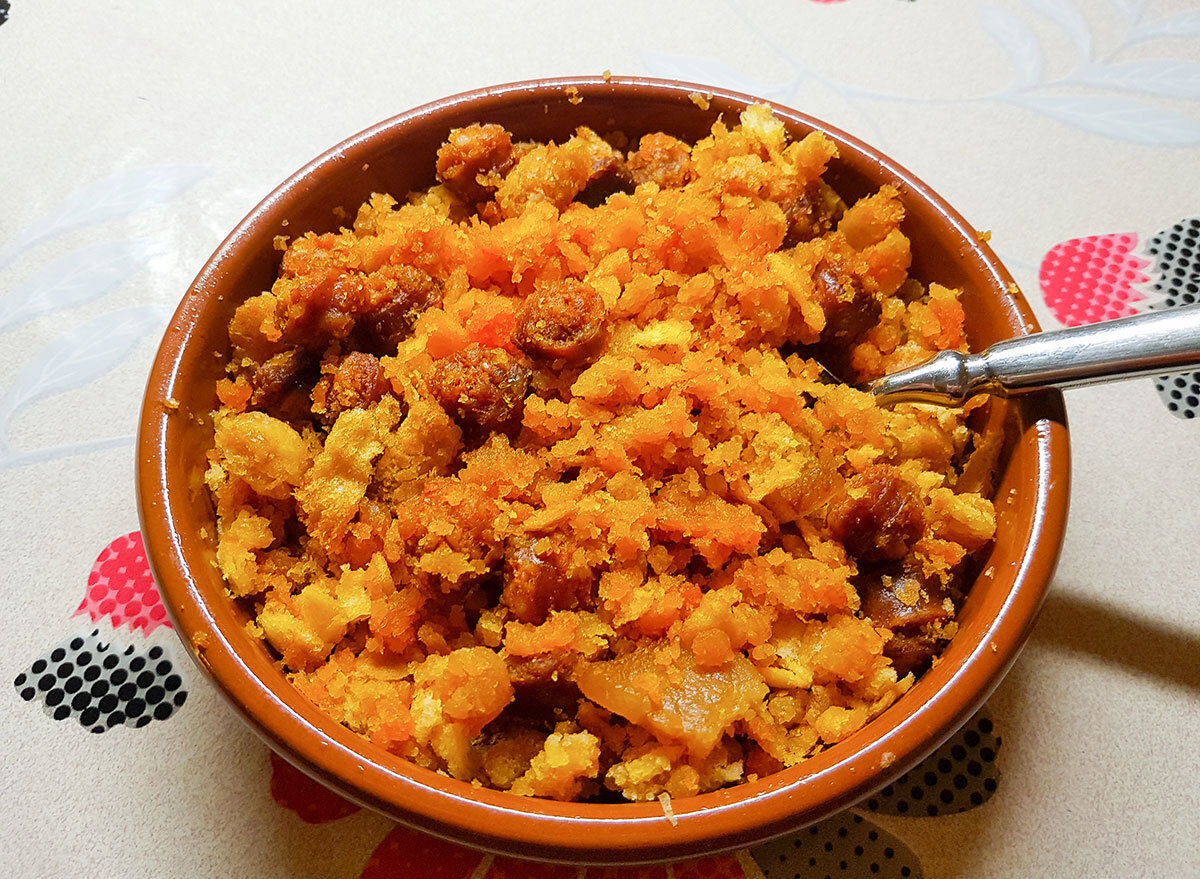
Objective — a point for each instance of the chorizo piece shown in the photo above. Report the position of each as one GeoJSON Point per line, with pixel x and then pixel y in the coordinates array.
{"type": "Point", "coordinates": [812, 213]}
{"type": "Point", "coordinates": [473, 160]}
{"type": "Point", "coordinates": [849, 309]}
{"type": "Point", "coordinates": [483, 389]}
{"type": "Point", "coordinates": [391, 322]}
{"type": "Point", "coordinates": [911, 651]}
{"type": "Point", "coordinates": [906, 602]}
{"type": "Point", "coordinates": [561, 320]}
{"type": "Point", "coordinates": [660, 159]}
{"type": "Point", "coordinates": [897, 598]}
{"type": "Point", "coordinates": [536, 584]}
{"type": "Point", "coordinates": [279, 375]}
{"type": "Point", "coordinates": [879, 517]}
{"type": "Point", "coordinates": [357, 383]}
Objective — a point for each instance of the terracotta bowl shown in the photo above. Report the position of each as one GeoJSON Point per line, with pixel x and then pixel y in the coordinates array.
{"type": "Point", "coordinates": [398, 155]}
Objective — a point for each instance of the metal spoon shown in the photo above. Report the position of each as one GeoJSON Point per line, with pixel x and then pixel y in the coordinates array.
{"type": "Point", "coordinates": [1145, 344]}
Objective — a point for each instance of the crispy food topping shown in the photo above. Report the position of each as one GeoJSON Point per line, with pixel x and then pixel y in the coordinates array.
{"type": "Point", "coordinates": [527, 478]}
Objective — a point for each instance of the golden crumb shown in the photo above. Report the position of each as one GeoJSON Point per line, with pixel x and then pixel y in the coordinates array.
{"type": "Point", "coordinates": [699, 100]}
{"type": "Point", "coordinates": [283, 223]}
{"type": "Point", "coordinates": [985, 236]}
{"type": "Point", "coordinates": [170, 404]}
{"type": "Point", "coordinates": [573, 95]}
{"type": "Point", "coordinates": [201, 640]}
{"type": "Point", "coordinates": [886, 759]}
{"type": "Point", "coordinates": [607, 75]}
{"type": "Point", "coordinates": [280, 242]}
{"type": "Point", "coordinates": [908, 591]}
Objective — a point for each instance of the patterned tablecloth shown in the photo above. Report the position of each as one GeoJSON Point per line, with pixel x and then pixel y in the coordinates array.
{"type": "Point", "coordinates": [135, 134]}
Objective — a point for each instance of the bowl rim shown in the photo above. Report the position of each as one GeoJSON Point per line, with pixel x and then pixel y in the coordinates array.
{"type": "Point", "coordinates": [583, 832]}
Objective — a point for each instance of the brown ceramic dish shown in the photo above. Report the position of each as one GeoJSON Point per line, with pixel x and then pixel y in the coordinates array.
{"type": "Point", "coordinates": [396, 156]}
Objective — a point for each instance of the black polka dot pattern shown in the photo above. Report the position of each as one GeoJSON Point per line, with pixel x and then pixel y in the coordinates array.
{"type": "Point", "coordinates": [1176, 252]}
{"type": "Point", "coordinates": [103, 685]}
{"type": "Point", "coordinates": [960, 775]}
{"type": "Point", "coordinates": [1180, 393]}
{"type": "Point", "coordinates": [845, 845]}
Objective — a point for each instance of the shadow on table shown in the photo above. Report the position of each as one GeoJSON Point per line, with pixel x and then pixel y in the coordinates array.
{"type": "Point", "coordinates": [1148, 646]}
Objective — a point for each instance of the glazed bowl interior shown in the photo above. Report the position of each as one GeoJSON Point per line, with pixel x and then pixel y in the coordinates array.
{"type": "Point", "coordinates": [397, 156]}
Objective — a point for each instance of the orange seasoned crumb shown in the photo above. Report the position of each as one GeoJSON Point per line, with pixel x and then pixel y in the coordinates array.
{"type": "Point", "coordinates": [985, 236]}
{"type": "Point", "coordinates": [699, 100]}
{"type": "Point", "coordinates": [280, 242]}
{"type": "Point", "coordinates": [527, 478]}
{"type": "Point", "coordinates": [607, 75]}
{"type": "Point", "coordinates": [573, 95]}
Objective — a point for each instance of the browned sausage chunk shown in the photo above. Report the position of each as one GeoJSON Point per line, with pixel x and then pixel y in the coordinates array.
{"type": "Point", "coordinates": [905, 601]}
{"type": "Point", "coordinates": [358, 383]}
{"type": "Point", "coordinates": [879, 517]}
{"type": "Point", "coordinates": [849, 309]}
{"type": "Point", "coordinates": [812, 213]}
{"type": "Point", "coordinates": [543, 687]}
{"type": "Point", "coordinates": [896, 598]}
{"type": "Point", "coordinates": [279, 375]}
{"type": "Point", "coordinates": [473, 159]}
{"type": "Point", "coordinates": [535, 584]}
{"type": "Point", "coordinates": [563, 319]}
{"type": "Point", "coordinates": [392, 322]}
{"type": "Point", "coordinates": [661, 159]}
{"type": "Point", "coordinates": [911, 651]}
{"type": "Point", "coordinates": [482, 388]}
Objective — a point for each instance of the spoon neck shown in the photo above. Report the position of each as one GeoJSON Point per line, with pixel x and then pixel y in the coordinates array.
{"type": "Point", "coordinates": [950, 377]}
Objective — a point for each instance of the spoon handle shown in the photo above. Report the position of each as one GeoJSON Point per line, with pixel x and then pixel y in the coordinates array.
{"type": "Point", "coordinates": [1145, 344]}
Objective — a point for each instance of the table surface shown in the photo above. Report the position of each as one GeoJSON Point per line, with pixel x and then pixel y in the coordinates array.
{"type": "Point", "coordinates": [135, 135]}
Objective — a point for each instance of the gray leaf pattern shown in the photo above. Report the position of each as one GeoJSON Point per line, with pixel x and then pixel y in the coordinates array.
{"type": "Point", "coordinates": [1130, 10]}
{"type": "Point", "coordinates": [1115, 117]}
{"type": "Point", "coordinates": [1185, 24]}
{"type": "Point", "coordinates": [77, 357]}
{"type": "Point", "coordinates": [1167, 77]}
{"type": "Point", "coordinates": [1067, 16]}
{"type": "Point", "coordinates": [84, 275]}
{"type": "Point", "coordinates": [122, 194]}
{"type": "Point", "coordinates": [1017, 40]}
